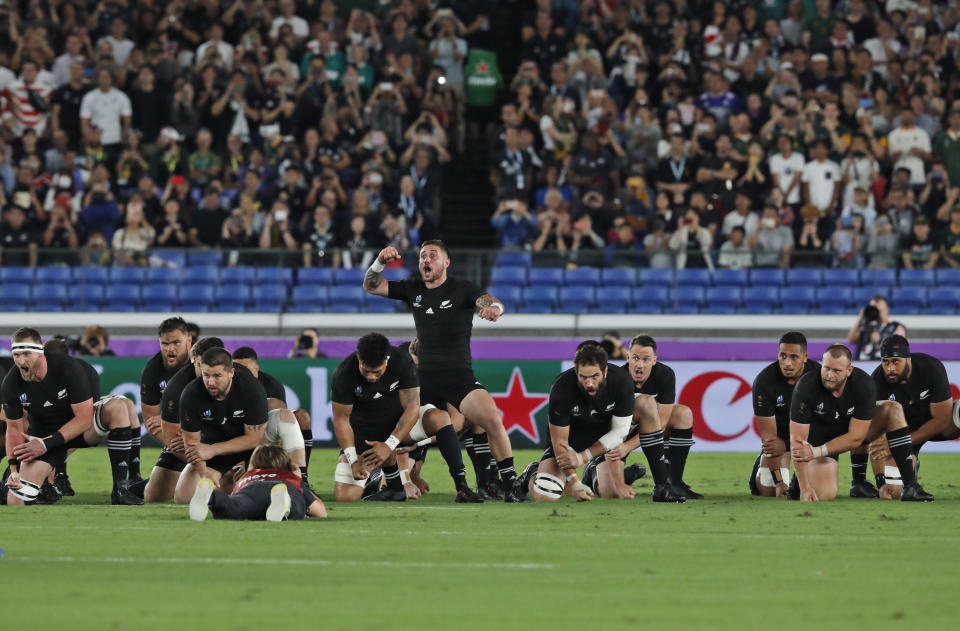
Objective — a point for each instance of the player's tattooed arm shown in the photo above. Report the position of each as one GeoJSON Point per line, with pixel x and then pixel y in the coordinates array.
{"type": "Point", "coordinates": [490, 307]}
{"type": "Point", "coordinates": [373, 280]}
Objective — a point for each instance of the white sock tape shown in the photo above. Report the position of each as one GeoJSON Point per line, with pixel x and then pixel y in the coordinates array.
{"type": "Point", "coordinates": [766, 477]}
{"type": "Point", "coordinates": [404, 476]}
{"type": "Point", "coordinates": [892, 476]}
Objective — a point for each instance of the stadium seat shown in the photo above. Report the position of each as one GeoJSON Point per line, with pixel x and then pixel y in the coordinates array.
{"type": "Point", "coordinates": [877, 277]}
{"type": "Point", "coordinates": [85, 297]}
{"type": "Point", "coordinates": [49, 296]}
{"type": "Point", "coordinates": [510, 295]}
{"type": "Point", "coordinates": [233, 307]}
{"type": "Point", "coordinates": [167, 275]}
{"type": "Point", "coordinates": [175, 258]}
{"type": "Point", "coordinates": [545, 276]}
{"type": "Point", "coordinates": [948, 277]}
{"type": "Point", "coordinates": [514, 259]}
{"type": "Point", "coordinates": [122, 293]}
{"type": "Point", "coordinates": [811, 277]}
{"type": "Point", "coordinates": [582, 276]}
{"type": "Point", "coordinates": [685, 308]}
{"type": "Point", "coordinates": [267, 305]}
{"type": "Point", "coordinates": [270, 293]}
{"type": "Point", "coordinates": [232, 295]}
{"type": "Point", "coordinates": [720, 309]}
{"type": "Point", "coordinates": [762, 299]}
{"type": "Point", "coordinates": [917, 278]}
{"type": "Point", "coordinates": [687, 295]}
{"type": "Point", "coordinates": [204, 257]}
{"type": "Point", "coordinates": [861, 296]}
{"type": "Point", "coordinates": [53, 275]}
{"type": "Point", "coordinates": [16, 275]}
{"type": "Point", "coordinates": [347, 296]}
{"type": "Point", "coordinates": [618, 277]}
{"type": "Point", "coordinates": [240, 275]}
{"type": "Point", "coordinates": [730, 277]}
{"type": "Point", "coordinates": [656, 276]}
{"type": "Point", "coordinates": [908, 297]}
{"type": "Point", "coordinates": [722, 297]}
{"type": "Point", "coordinates": [93, 275]}
{"type": "Point", "coordinates": [201, 275]}
{"type": "Point", "coordinates": [650, 299]}
{"type": "Point", "coordinates": [762, 277]}
{"type": "Point", "coordinates": [159, 292]}
{"type": "Point", "coordinates": [616, 299]}
{"type": "Point", "coordinates": [540, 295]}
{"type": "Point", "coordinates": [349, 276]}
{"type": "Point", "coordinates": [832, 308]}
{"type": "Point", "coordinates": [127, 275]}
{"type": "Point", "coordinates": [841, 295]}
{"type": "Point", "coordinates": [798, 299]}
{"type": "Point", "coordinates": [396, 273]}
{"type": "Point", "coordinates": [833, 277]}
{"type": "Point", "coordinates": [121, 306]}
{"type": "Point", "coordinates": [275, 276]}
{"type": "Point", "coordinates": [944, 300]}
{"type": "Point", "coordinates": [576, 299]}
{"type": "Point", "coordinates": [194, 297]}
{"type": "Point", "coordinates": [694, 277]}
{"type": "Point", "coordinates": [516, 276]}
{"type": "Point", "coordinates": [538, 307]}
{"type": "Point", "coordinates": [158, 306]}
{"type": "Point", "coordinates": [381, 305]}
{"type": "Point", "coordinates": [315, 295]}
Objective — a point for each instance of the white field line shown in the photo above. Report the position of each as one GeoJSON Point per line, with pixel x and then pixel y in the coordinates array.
{"type": "Point", "coordinates": [297, 562]}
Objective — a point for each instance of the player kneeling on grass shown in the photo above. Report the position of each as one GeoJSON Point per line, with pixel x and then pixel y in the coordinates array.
{"type": "Point", "coordinates": [835, 410]}
{"type": "Point", "coordinates": [590, 411]}
{"type": "Point", "coordinates": [271, 489]}
{"type": "Point", "coordinates": [376, 405]}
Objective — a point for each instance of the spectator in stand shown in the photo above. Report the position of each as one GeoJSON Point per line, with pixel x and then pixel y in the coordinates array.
{"type": "Point", "coordinates": [656, 245]}
{"type": "Point", "coordinates": [884, 245]}
{"type": "Point", "coordinates": [109, 110]}
{"type": "Point", "coordinates": [278, 230]}
{"type": "Point", "coordinates": [514, 224]}
{"type": "Point", "coordinates": [848, 243]}
{"type": "Point", "coordinates": [95, 341]}
{"type": "Point", "coordinates": [172, 228]}
{"type": "Point", "coordinates": [821, 179]}
{"type": "Point", "coordinates": [675, 175]}
{"type": "Point", "coordinates": [623, 246]}
{"type": "Point", "coordinates": [150, 106]}
{"type": "Point", "coordinates": [130, 243]}
{"type": "Point", "coordinates": [946, 145]}
{"type": "Point", "coordinates": [28, 99]}
{"type": "Point", "coordinates": [909, 146]}
{"type": "Point", "coordinates": [358, 244]}
{"type": "Point", "coordinates": [320, 240]}
{"type": "Point", "coordinates": [65, 104]}
{"type": "Point", "coordinates": [772, 243]}
{"type": "Point", "coordinates": [691, 242]}
{"type": "Point", "coordinates": [100, 211]}
{"type": "Point", "coordinates": [861, 206]}
{"type": "Point", "coordinates": [920, 249]}
{"type": "Point", "coordinates": [741, 217]}
{"type": "Point", "coordinates": [169, 159]}
{"type": "Point", "coordinates": [735, 253]}
{"type": "Point", "coordinates": [206, 225]}
{"type": "Point", "coordinates": [949, 238]}
{"type": "Point", "coordinates": [16, 233]}
{"type": "Point", "coordinates": [240, 229]}
{"type": "Point", "coordinates": [859, 169]}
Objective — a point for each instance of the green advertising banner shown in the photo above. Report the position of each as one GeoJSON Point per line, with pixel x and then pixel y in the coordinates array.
{"type": "Point", "coordinates": [520, 390]}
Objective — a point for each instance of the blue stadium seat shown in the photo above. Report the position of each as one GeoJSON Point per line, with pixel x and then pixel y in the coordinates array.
{"type": "Point", "coordinates": [16, 307]}
{"type": "Point", "coordinates": [160, 292]}
{"type": "Point", "coordinates": [832, 308]}
{"type": "Point", "coordinates": [267, 305]}
{"type": "Point", "coordinates": [270, 294]}
{"type": "Point", "coordinates": [756, 308]}
{"type": "Point", "coordinates": [730, 277]}
{"type": "Point", "coordinates": [618, 277]}
{"type": "Point", "coordinates": [762, 277]}
{"type": "Point", "coordinates": [514, 259]}
{"type": "Point", "coordinates": [16, 275]}
{"type": "Point", "coordinates": [240, 275]}
{"type": "Point", "coordinates": [833, 277]}
{"type": "Point", "coordinates": [694, 277]}
{"type": "Point", "coordinates": [545, 276]}
{"type": "Point", "coordinates": [510, 295]}
{"type": "Point", "coordinates": [349, 276]}
{"type": "Point", "coordinates": [862, 296]}
{"type": "Point", "coordinates": [128, 275]}
{"type": "Point", "coordinates": [582, 276]}
{"type": "Point", "coordinates": [763, 298]}
{"type": "Point", "coordinates": [944, 300]}
{"type": "Point", "coordinates": [169, 275]}
{"type": "Point", "coordinates": [396, 273]}
{"type": "Point", "coordinates": [121, 306]}
{"type": "Point", "coordinates": [948, 277]}
{"type": "Point", "coordinates": [798, 299]}
{"type": "Point", "coordinates": [538, 307]}
{"type": "Point", "coordinates": [723, 296]}
{"type": "Point", "coordinates": [616, 299]}
{"type": "Point", "coordinates": [650, 299]}
{"type": "Point", "coordinates": [877, 277]}
{"type": "Point", "coordinates": [917, 278]}
{"type": "Point", "coordinates": [840, 295]}
{"type": "Point", "coordinates": [93, 275]}
{"type": "Point", "coordinates": [201, 274]}
{"type": "Point", "coordinates": [53, 275]}
{"type": "Point", "coordinates": [194, 297]}
{"type": "Point", "coordinates": [232, 295]}
{"type": "Point", "coordinates": [540, 295]}
{"type": "Point", "coordinates": [686, 295]}
{"type": "Point", "coordinates": [158, 306]}
{"type": "Point", "coordinates": [656, 276]}
{"type": "Point", "coordinates": [720, 309]}
{"type": "Point", "coordinates": [204, 257]}
{"type": "Point", "coordinates": [685, 308]}
{"type": "Point", "coordinates": [812, 277]}
{"type": "Point", "coordinates": [509, 276]}
{"type": "Point", "coordinates": [122, 293]}
{"type": "Point", "coordinates": [315, 295]}
{"type": "Point", "coordinates": [275, 276]}
{"type": "Point", "coordinates": [176, 258]}
{"type": "Point", "coordinates": [233, 307]}
{"type": "Point", "coordinates": [49, 296]}
{"type": "Point", "coordinates": [84, 296]}
{"type": "Point", "coordinates": [576, 299]}
{"type": "Point", "coordinates": [381, 306]}
{"type": "Point", "coordinates": [346, 296]}
{"type": "Point", "coordinates": [908, 297]}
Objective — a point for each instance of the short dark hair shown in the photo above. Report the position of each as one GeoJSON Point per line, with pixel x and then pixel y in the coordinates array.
{"type": "Point", "coordinates": [644, 340]}
{"type": "Point", "coordinates": [795, 337]}
{"type": "Point", "coordinates": [173, 324]}
{"type": "Point", "coordinates": [373, 349]}
{"type": "Point", "coordinates": [245, 352]}
{"type": "Point", "coordinates": [217, 357]}
{"type": "Point", "coordinates": [590, 353]}
{"type": "Point", "coordinates": [839, 350]}
{"type": "Point", "coordinates": [56, 346]}
{"type": "Point", "coordinates": [27, 333]}
{"type": "Point", "coordinates": [437, 243]}
{"type": "Point", "coordinates": [194, 330]}
{"type": "Point", "coordinates": [206, 344]}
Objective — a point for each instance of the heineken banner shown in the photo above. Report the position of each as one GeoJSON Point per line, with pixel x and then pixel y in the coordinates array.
{"type": "Point", "coordinates": [717, 392]}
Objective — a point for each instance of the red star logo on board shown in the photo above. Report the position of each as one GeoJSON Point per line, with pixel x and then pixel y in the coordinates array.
{"type": "Point", "coordinates": [482, 67]}
{"type": "Point", "coordinates": [518, 407]}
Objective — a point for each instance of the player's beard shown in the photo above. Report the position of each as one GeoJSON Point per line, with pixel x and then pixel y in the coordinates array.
{"type": "Point", "coordinates": [895, 378]}
{"type": "Point", "coordinates": [834, 386]}
{"type": "Point", "coordinates": [178, 360]}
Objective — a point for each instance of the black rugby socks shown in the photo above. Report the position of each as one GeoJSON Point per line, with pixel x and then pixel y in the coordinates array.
{"type": "Point", "coordinates": [450, 450]}
{"type": "Point", "coordinates": [307, 443]}
{"type": "Point", "coordinates": [133, 465]}
{"type": "Point", "coordinates": [901, 448]}
{"type": "Point", "coordinates": [479, 450]}
{"type": "Point", "coordinates": [391, 472]}
{"type": "Point", "coordinates": [679, 448]}
{"type": "Point", "coordinates": [858, 466]}
{"type": "Point", "coordinates": [118, 447]}
{"type": "Point", "coordinates": [507, 473]}
{"type": "Point", "coordinates": [652, 445]}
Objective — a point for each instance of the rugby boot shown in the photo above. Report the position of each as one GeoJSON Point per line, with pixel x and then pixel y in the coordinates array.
{"type": "Point", "coordinates": [372, 484]}
{"type": "Point", "coordinates": [122, 496]}
{"type": "Point", "coordinates": [793, 489]}
{"type": "Point", "coordinates": [279, 508]}
{"type": "Point", "coordinates": [522, 484]}
{"type": "Point", "coordinates": [62, 482]}
{"type": "Point", "coordinates": [633, 473]}
{"type": "Point", "coordinates": [684, 489]}
{"type": "Point", "coordinates": [466, 495]}
{"type": "Point", "coordinates": [863, 489]}
{"type": "Point", "coordinates": [387, 494]}
{"type": "Point", "coordinates": [489, 492]}
{"type": "Point", "coordinates": [138, 487]}
{"type": "Point", "coordinates": [590, 476]}
{"type": "Point", "coordinates": [753, 476]}
{"type": "Point", "coordinates": [514, 497]}
{"type": "Point", "coordinates": [914, 493]}
{"type": "Point", "coordinates": [49, 494]}
{"type": "Point", "coordinates": [667, 493]}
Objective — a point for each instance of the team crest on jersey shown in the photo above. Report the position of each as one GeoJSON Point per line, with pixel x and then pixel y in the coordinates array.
{"type": "Point", "coordinates": [850, 411]}
{"type": "Point", "coordinates": [446, 304]}
{"type": "Point", "coordinates": [393, 386]}
{"type": "Point", "coordinates": [610, 407]}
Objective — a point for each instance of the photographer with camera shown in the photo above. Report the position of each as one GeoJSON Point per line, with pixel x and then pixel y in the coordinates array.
{"type": "Point", "coordinates": [872, 327]}
{"type": "Point", "coordinates": [95, 342]}
{"type": "Point", "coordinates": [305, 346]}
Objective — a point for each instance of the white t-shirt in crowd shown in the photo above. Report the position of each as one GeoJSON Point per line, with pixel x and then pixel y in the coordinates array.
{"type": "Point", "coordinates": [904, 140]}
{"type": "Point", "coordinates": [297, 23]}
{"type": "Point", "coordinates": [786, 169]}
{"type": "Point", "coordinates": [105, 110]}
{"type": "Point", "coordinates": [821, 178]}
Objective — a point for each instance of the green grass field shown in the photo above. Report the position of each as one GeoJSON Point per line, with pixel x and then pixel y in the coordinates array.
{"type": "Point", "coordinates": [728, 562]}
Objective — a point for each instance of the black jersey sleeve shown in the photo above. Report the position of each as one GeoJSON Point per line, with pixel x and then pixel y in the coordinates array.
{"type": "Point", "coordinates": [764, 402]}
{"type": "Point", "coordinates": [399, 290]}
{"type": "Point", "coordinates": [560, 403]}
{"type": "Point", "coordinates": [254, 402]}
{"type": "Point", "coordinates": [937, 380]}
{"type": "Point", "coordinates": [93, 378]}
{"type": "Point", "coordinates": [341, 385]}
{"type": "Point", "coordinates": [11, 398]}
{"type": "Point", "coordinates": [77, 379]}
{"type": "Point", "coordinates": [408, 371]}
{"type": "Point", "coordinates": [622, 391]}
{"type": "Point", "coordinates": [801, 402]}
{"type": "Point", "coordinates": [866, 402]}
{"type": "Point", "coordinates": [273, 387]}
{"type": "Point", "coordinates": [666, 385]}
{"type": "Point", "coordinates": [190, 403]}
{"type": "Point", "coordinates": [470, 293]}
{"type": "Point", "coordinates": [149, 395]}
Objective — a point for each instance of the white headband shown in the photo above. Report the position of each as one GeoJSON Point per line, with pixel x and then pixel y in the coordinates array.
{"type": "Point", "coordinates": [26, 346]}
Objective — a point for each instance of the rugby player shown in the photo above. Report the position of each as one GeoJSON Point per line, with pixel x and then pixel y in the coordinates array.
{"type": "Point", "coordinates": [918, 383]}
{"type": "Point", "coordinates": [376, 405]}
{"type": "Point", "coordinates": [591, 408]}
{"type": "Point", "coordinates": [270, 490]}
{"type": "Point", "coordinates": [58, 393]}
{"type": "Point", "coordinates": [443, 309]}
{"type": "Point", "coordinates": [835, 410]}
{"type": "Point", "coordinates": [772, 394]}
